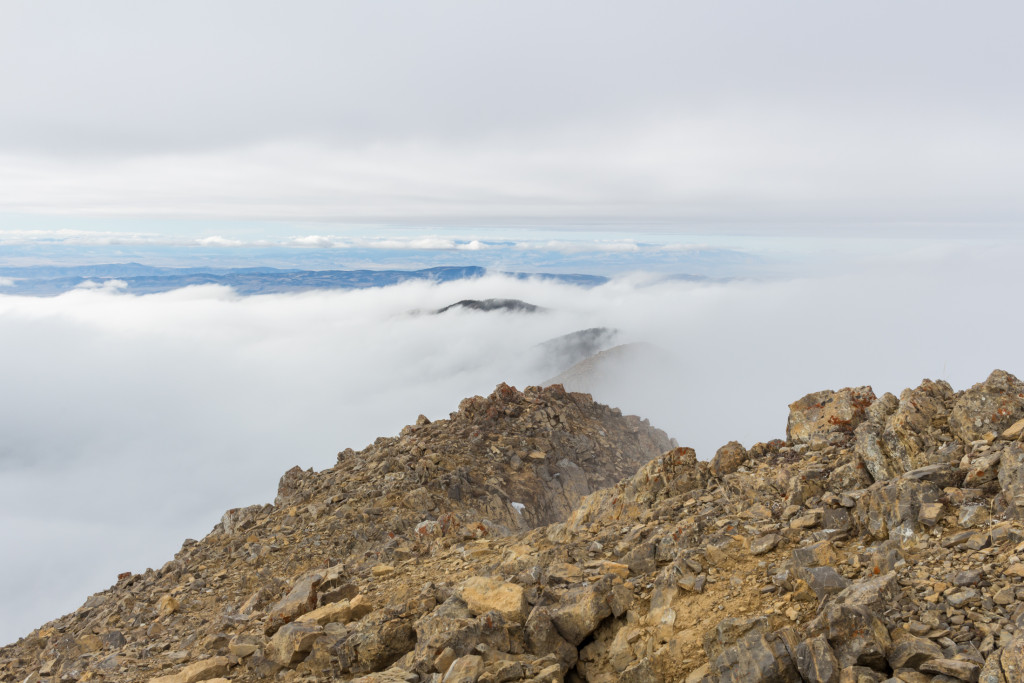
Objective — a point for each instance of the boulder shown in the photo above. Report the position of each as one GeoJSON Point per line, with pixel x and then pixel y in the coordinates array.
{"type": "Point", "coordinates": [335, 612]}
{"type": "Point", "coordinates": [815, 554]}
{"type": "Point", "coordinates": [484, 594]}
{"type": "Point", "coordinates": [581, 610]}
{"type": "Point", "coordinates": [823, 581]}
{"type": "Point", "coordinates": [372, 644]}
{"type": "Point", "coordinates": [465, 670]}
{"type": "Point", "coordinates": [1011, 478]}
{"type": "Point", "coordinates": [755, 658]}
{"type": "Point", "coordinates": [728, 459]}
{"type": "Point", "coordinates": [909, 651]}
{"type": "Point", "coordinates": [1014, 431]}
{"type": "Point", "coordinates": [452, 626]}
{"type": "Point", "coordinates": [204, 670]}
{"type": "Point", "coordinates": [991, 406]}
{"type": "Point", "coordinates": [875, 594]}
{"type": "Point", "coordinates": [891, 509]}
{"type": "Point", "coordinates": [961, 670]}
{"type": "Point", "coordinates": [981, 471]}
{"type": "Point", "coordinates": [900, 436]}
{"type": "Point", "coordinates": [827, 417]}
{"type": "Point", "coordinates": [295, 487]}
{"type": "Point", "coordinates": [857, 636]}
{"type": "Point", "coordinates": [543, 638]}
{"type": "Point", "coordinates": [764, 544]}
{"type": "Point", "coordinates": [816, 662]}
{"type": "Point", "coordinates": [1011, 660]}
{"type": "Point", "coordinates": [292, 642]}
{"type": "Point", "coordinates": [299, 600]}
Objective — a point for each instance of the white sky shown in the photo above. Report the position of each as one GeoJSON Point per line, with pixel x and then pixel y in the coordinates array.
{"type": "Point", "coordinates": [784, 113]}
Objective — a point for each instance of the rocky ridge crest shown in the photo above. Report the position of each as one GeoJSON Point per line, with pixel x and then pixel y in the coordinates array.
{"type": "Point", "coordinates": [534, 537]}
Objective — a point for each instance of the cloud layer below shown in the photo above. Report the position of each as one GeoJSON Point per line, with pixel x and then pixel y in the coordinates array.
{"type": "Point", "coordinates": [131, 423]}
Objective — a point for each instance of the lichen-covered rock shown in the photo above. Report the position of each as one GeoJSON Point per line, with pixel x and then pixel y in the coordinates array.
{"type": "Point", "coordinates": [988, 407]}
{"type": "Point", "coordinates": [827, 417]}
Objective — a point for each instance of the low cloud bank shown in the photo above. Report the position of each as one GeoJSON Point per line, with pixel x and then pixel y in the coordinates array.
{"type": "Point", "coordinates": [130, 423]}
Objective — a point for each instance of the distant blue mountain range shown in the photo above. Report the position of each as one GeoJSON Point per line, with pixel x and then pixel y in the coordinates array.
{"type": "Point", "coordinates": [51, 280]}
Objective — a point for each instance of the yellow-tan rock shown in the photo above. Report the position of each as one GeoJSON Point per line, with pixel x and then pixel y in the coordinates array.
{"type": "Point", "coordinates": [485, 594]}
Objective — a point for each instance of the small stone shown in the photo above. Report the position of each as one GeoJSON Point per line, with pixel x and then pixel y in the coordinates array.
{"type": "Point", "coordinates": [909, 651]}
{"type": "Point", "coordinates": [764, 544]}
{"type": "Point", "coordinates": [973, 516]}
{"type": "Point", "coordinates": [292, 642]}
{"type": "Point", "coordinates": [203, 670]}
{"type": "Point", "coordinates": [465, 670]}
{"type": "Point", "coordinates": [816, 662]}
{"type": "Point", "coordinates": [965, 671]}
{"type": "Point", "coordinates": [1004, 596]}
{"type": "Point", "coordinates": [930, 514]}
{"type": "Point", "coordinates": [360, 606]}
{"type": "Point", "coordinates": [808, 520]}
{"type": "Point", "coordinates": [970, 577]}
{"type": "Point", "coordinates": [242, 646]}
{"type": "Point", "coordinates": [444, 660]}
{"type": "Point", "coordinates": [1014, 431]}
{"type": "Point", "coordinates": [335, 612]}
{"type": "Point", "coordinates": [484, 594]}
{"type": "Point", "coordinates": [167, 604]}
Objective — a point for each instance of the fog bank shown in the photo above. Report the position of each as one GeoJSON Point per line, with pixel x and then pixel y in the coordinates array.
{"type": "Point", "coordinates": [132, 422]}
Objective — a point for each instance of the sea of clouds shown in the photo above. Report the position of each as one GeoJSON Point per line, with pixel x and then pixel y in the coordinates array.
{"type": "Point", "coordinates": [129, 423]}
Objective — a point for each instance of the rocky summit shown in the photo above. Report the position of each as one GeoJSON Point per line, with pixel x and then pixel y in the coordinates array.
{"type": "Point", "coordinates": [539, 536]}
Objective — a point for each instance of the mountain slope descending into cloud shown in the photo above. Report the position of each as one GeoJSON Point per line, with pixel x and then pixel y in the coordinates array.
{"type": "Point", "coordinates": [130, 422]}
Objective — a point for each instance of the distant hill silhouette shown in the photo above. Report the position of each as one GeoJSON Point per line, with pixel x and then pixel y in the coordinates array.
{"type": "Point", "coordinates": [493, 305]}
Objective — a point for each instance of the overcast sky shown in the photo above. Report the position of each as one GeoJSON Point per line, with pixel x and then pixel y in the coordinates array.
{"type": "Point", "coordinates": [678, 114]}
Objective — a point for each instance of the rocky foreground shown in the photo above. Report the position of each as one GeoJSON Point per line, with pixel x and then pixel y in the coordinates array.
{"type": "Point", "coordinates": [539, 536]}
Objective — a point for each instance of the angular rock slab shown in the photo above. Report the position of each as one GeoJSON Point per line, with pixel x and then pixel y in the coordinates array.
{"type": "Point", "coordinates": [827, 417]}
